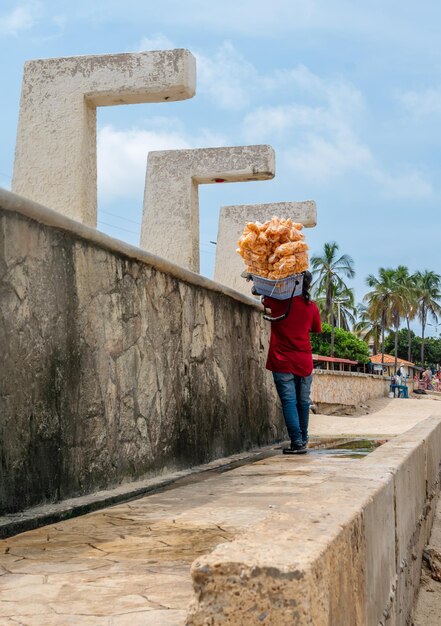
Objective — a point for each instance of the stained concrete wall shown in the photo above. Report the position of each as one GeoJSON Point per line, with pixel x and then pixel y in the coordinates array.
{"type": "Point", "coordinates": [346, 552]}
{"type": "Point", "coordinates": [115, 363]}
{"type": "Point", "coordinates": [346, 388]}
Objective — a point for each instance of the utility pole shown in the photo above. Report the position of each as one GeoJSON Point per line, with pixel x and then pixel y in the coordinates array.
{"type": "Point", "coordinates": [338, 302]}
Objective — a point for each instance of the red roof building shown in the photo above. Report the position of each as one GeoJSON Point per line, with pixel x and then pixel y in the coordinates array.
{"type": "Point", "coordinates": [388, 365]}
{"type": "Point", "coordinates": [389, 359]}
{"type": "Point", "coordinates": [317, 358]}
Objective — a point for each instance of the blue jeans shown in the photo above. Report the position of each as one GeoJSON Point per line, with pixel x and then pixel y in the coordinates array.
{"type": "Point", "coordinates": [294, 394]}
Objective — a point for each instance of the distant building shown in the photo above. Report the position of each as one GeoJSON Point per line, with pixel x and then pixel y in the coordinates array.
{"type": "Point", "coordinates": [387, 365]}
{"type": "Point", "coordinates": [323, 362]}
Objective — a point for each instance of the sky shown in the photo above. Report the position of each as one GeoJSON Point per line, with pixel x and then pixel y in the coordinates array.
{"type": "Point", "coordinates": [348, 94]}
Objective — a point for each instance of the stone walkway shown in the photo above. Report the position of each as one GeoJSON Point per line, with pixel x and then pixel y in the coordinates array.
{"type": "Point", "coordinates": [386, 417]}
{"type": "Point", "coordinates": [130, 564]}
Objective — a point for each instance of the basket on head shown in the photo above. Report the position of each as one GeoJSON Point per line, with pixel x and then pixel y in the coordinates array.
{"type": "Point", "coordinates": [281, 289]}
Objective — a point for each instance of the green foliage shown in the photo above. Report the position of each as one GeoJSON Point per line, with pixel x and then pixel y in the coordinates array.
{"type": "Point", "coordinates": [402, 353]}
{"type": "Point", "coordinates": [346, 345]}
{"type": "Point", "coordinates": [432, 350]}
{"type": "Point", "coordinates": [397, 295]}
{"type": "Point", "coordinates": [432, 347]}
{"type": "Point", "coordinates": [327, 271]}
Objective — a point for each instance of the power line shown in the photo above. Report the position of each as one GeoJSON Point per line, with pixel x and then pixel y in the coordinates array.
{"type": "Point", "coordinates": [119, 217]}
{"type": "Point", "coordinates": [119, 228]}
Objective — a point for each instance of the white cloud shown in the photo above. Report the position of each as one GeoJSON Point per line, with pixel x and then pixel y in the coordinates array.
{"type": "Point", "coordinates": [159, 41]}
{"type": "Point", "coordinates": [21, 18]}
{"type": "Point", "coordinates": [408, 185]}
{"type": "Point", "coordinates": [318, 131]}
{"type": "Point", "coordinates": [60, 21]}
{"type": "Point", "coordinates": [226, 76]}
{"type": "Point", "coordinates": [122, 158]}
{"type": "Point", "coordinates": [253, 17]}
{"type": "Point", "coordinates": [122, 154]}
{"type": "Point", "coordinates": [234, 83]}
{"type": "Point", "coordinates": [319, 159]}
{"type": "Point", "coordinates": [318, 139]}
{"type": "Point", "coordinates": [321, 139]}
{"type": "Point", "coordinates": [422, 103]}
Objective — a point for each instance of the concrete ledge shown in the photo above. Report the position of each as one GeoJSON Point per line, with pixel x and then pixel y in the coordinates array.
{"type": "Point", "coordinates": [346, 553]}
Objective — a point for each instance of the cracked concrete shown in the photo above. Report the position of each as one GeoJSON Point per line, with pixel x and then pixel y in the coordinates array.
{"type": "Point", "coordinates": [131, 563]}
{"type": "Point", "coordinates": [134, 559]}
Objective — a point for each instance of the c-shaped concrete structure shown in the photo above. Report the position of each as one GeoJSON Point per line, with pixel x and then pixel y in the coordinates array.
{"type": "Point", "coordinates": [55, 157]}
{"type": "Point", "coordinates": [170, 224]}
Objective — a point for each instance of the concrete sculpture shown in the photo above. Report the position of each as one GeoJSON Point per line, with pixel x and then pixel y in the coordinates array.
{"type": "Point", "coordinates": [55, 159]}
{"type": "Point", "coordinates": [170, 224]}
{"type": "Point", "coordinates": [232, 219]}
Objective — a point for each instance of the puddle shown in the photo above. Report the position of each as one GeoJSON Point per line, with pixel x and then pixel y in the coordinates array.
{"type": "Point", "coordinates": [356, 449]}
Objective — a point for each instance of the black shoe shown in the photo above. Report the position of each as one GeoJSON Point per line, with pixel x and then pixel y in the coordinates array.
{"type": "Point", "coordinates": [295, 449]}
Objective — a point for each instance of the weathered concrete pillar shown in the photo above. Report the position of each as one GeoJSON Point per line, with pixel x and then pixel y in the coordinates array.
{"type": "Point", "coordinates": [55, 157]}
{"type": "Point", "coordinates": [232, 219]}
{"type": "Point", "coordinates": [170, 223]}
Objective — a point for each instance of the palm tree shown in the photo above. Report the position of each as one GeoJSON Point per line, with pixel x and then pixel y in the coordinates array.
{"type": "Point", "coordinates": [367, 328]}
{"type": "Point", "coordinates": [386, 303]}
{"type": "Point", "coordinates": [343, 306]}
{"type": "Point", "coordinates": [408, 282]}
{"type": "Point", "coordinates": [328, 270]}
{"type": "Point", "coordinates": [428, 285]}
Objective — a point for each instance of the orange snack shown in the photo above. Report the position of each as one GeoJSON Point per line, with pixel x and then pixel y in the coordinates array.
{"type": "Point", "coordinates": [290, 248]}
{"type": "Point", "coordinates": [274, 249]}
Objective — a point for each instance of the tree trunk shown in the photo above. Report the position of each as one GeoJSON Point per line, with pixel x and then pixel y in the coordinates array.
{"type": "Point", "coordinates": [409, 340]}
{"type": "Point", "coordinates": [423, 328]}
{"type": "Point", "coordinates": [375, 339]}
{"type": "Point", "coordinates": [332, 333]}
{"type": "Point", "coordinates": [331, 316]}
{"type": "Point", "coordinates": [396, 348]}
{"type": "Point", "coordinates": [382, 343]}
{"type": "Point", "coordinates": [383, 328]}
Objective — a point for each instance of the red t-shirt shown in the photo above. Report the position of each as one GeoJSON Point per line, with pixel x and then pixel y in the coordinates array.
{"type": "Point", "coordinates": [290, 349]}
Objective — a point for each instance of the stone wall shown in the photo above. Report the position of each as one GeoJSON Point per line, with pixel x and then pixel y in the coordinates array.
{"type": "Point", "coordinates": [115, 363]}
{"type": "Point", "coordinates": [346, 388]}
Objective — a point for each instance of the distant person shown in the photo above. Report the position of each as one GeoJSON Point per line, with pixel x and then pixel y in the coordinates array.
{"type": "Point", "coordinates": [400, 370]}
{"type": "Point", "coordinates": [290, 361]}
{"type": "Point", "coordinates": [427, 378]}
{"type": "Point", "coordinates": [400, 375]}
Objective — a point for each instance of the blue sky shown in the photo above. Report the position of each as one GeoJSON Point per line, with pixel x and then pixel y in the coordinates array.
{"type": "Point", "coordinates": [349, 97]}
